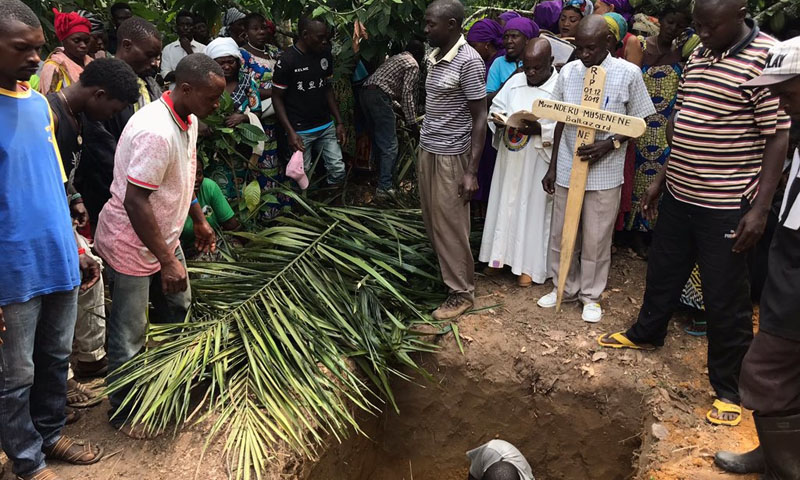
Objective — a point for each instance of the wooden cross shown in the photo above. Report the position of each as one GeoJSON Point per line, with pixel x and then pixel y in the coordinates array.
{"type": "Point", "coordinates": [589, 118]}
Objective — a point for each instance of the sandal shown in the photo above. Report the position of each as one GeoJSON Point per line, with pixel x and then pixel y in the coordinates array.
{"type": "Point", "coordinates": [70, 451]}
{"type": "Point", "coordinates": [621, 341]}
{"type": "Point", "coordinates": [697, 328]}
{"type": "Point", "coordinates": [81, 396]}
{"type": "Point", "coordinates": [725, 407]}
{"type": "Point", "coordinates": [43, 474]}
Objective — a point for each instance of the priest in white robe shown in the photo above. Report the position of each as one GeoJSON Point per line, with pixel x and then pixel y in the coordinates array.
{"type": "Point", "coordinates": [517, 228]}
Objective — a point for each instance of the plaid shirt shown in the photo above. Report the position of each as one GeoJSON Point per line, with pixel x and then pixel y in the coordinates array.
{"type": "Point", "coordinates": [624, 93]}
{"type": "Point", "coordinates": [397, 78]}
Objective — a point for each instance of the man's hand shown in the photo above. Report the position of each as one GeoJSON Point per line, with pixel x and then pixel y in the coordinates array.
{"type": "Point", "coordinates": [596, 151]}
{"type": "Point", "coordinates": [750, 229]}
{"type": "Point", "coordinates": [2, 324]}
{"type": "Point", "coordinates": [549, 181]}
{"type": "Point", "coordinates": [204, 238]}
{"type": "Point", "coordinates": [235, 119]}
{"type": "Point", "coordinates": [295, 142]}
{"type": "Point", "coordinates": [90, 272]}
{"type": "Point", "coordinates": [341, 135]}
{"type": "Point", "coordinates": [186, 44]}
{"type": "Point", "coordinates": [650, 200]}
{"type": "Point", "coordinates": [79, 214]}
{"type": "Point", "coordinates": [468, 187]}
{"type": "Point", "coordinates": [530, 128]}
{"type": "Point", "coordinates": [173, 276]}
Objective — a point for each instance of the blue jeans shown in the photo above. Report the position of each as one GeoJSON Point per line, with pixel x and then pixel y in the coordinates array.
{"type": "Point", "coordinates": [127, 323]}
{"type": "Point", "coordinates": [382, 124]}
{"type": "Point", "coordinates": [34, 359]}
{"type": "Point", "coordinates": [324, 141]}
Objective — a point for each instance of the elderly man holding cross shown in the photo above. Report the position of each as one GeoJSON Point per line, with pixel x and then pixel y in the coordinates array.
{"type": "Point", "coordinates": [623, 93]}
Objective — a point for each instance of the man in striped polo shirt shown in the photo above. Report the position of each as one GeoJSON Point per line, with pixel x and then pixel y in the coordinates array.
{"type": "Point", "coordinates": [451, 144]}
{"type": "Point", "coordinates": [728, 148]}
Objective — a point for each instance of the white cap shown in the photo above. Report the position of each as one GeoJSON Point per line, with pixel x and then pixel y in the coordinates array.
{"type": "Point", "coordinates": [783, 63]}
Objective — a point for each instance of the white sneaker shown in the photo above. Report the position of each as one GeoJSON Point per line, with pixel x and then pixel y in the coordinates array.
{"type": "Point", "coordinates": [550, 300]}
{"type": "Point", "coordinates": [592, 313]}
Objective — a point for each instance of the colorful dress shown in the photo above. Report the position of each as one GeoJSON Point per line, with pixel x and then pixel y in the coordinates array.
{"type": "Point", "coordinates": [652, 150]}
{"type": "Point", "coordinates": [260, 69]}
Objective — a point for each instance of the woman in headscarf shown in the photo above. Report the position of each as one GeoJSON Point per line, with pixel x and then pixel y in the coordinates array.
{"type": "Point", "coordinates": [97, 32]}
{"type": "Point", "coordinates": [572, 13]}
{"type": "Point", "coordinates": [233, 25]}
{"type": "Point", "coordinates": [504, 17]}
{"type": "Point", "coordinates": [516, 34]}
{"type": "Point", "coordinates": [65, 64]}
{"type": "Point", "coordinates": [622, 7]}
{"type": "Point", "coordinates": [628, 47]}
{"type": "Point", "coordinates": [486, 37]}
{"type": "Point", "coordinates": [546, 15]}
{"type": "Point", "coordinates": [246, 99]}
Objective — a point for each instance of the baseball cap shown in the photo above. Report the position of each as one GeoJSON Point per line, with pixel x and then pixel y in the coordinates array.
{"type": "Point", "coordinates": [295, 170]}
{"type": "Point", "coordinates": [783, 63]}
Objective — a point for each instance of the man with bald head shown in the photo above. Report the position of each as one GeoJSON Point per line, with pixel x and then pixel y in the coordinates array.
{"type": "Point", "coordinates": [729, 143]}
{"type": "Point", "coordinates": [450, 148]}
{"type": "Point", "coordinates": [518, 215]}
{"type": "Point", "coordinates": [625, 93]}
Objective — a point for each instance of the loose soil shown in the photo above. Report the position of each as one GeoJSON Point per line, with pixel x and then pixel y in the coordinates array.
{"type": "Point", "coordinates": [527, 375]}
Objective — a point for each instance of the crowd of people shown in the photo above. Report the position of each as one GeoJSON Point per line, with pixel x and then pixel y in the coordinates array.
{"type": "Point", "coordinates": [103, 189]}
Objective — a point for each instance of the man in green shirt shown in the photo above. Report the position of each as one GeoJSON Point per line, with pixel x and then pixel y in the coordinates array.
{"type": "Point", "coordinates": [218, 212]}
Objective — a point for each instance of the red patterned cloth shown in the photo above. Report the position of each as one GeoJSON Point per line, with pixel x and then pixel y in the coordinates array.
{"type": "Point", "coordinates": [67, 24]}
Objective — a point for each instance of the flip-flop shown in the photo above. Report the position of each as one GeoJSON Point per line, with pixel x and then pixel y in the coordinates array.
{"type": "Point", "coordinates": [724, 407]}
{"type": "Point", "coordinates": [694, 331]}
{"type": "Point", "coordinates": [61, 451]}
{"type": "Point", "coordinates": [92, 397]}
{"type": "Point", "coordinates": [621, 342]}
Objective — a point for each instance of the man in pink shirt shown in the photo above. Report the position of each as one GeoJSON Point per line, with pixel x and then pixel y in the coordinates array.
{"type": "Point", "coordinates": [138, 233]}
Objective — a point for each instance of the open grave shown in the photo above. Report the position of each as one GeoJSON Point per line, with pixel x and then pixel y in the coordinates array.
{"type": "Point", "coordinates": [563, 434]}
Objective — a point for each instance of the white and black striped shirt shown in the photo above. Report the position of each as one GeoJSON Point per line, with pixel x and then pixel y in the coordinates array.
{"type": "Point", "coordinates": [453, 81]}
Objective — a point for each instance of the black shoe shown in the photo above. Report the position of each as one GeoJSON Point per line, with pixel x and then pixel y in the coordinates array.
{"type": "Point", "coordinates": [780, 442]}
{"type": "Point", "coordinates": [750, 462]}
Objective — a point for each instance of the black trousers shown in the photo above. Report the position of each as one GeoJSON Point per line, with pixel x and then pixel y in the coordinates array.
{"type": "Point", "coordinates": [684, 234]}
{"type": "Point", "coordinates": [770, 382]}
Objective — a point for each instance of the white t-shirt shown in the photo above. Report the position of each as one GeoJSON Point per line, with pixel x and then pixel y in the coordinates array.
{"type": "Point", "coordinates": [157, 151]}
{"type": "Point", "coordinates": [488, 454]}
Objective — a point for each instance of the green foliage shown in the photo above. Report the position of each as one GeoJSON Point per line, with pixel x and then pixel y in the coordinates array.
{"type": "Point", "coordinates": [282, 340]}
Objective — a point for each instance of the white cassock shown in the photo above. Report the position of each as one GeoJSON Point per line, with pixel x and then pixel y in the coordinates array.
{"type": "Point", "coordinates": [517, 228]}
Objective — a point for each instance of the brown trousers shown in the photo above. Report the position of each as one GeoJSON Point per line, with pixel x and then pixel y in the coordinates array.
{"type": "Point", "coordinates": [591, 262]}
{"type": "Point", "coordinates": [447, 217]}
{"type": "Point", "coordinates": [770, 380]}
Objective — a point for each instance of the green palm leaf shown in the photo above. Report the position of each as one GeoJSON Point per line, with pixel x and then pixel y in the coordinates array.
{"type": "Point", "coordinates": [312, 320]}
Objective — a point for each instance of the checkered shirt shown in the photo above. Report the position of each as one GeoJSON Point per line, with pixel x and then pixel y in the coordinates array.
{"type": "Point", "coordinates": [397, 78]}
{"type": "Point", "coordinates": [624, 93]}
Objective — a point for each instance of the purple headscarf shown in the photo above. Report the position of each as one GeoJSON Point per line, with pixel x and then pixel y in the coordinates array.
{"type": "Point", "coordinates": [526, 26]}
{"type": "Point", "coordinates": [623, 7]}
{"type": "Point", "coordinates": [546, 14]}
{"type": "Point", "coordinates": [506, 16]}
{"type": "Point", "coordinates": [486, 30]}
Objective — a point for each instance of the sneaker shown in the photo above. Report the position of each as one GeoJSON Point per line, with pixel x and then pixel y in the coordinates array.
{"type": "Point", "coordinates": [550, 300]}
{"type": "Point", "coordinates": [453, 307]}
{"type": "Point", "coordinates": [384, 195]}
{"type": "Point", "coordinates": [592, 313]}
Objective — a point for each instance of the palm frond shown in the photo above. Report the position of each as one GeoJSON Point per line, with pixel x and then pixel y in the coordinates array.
{"type": "Point", "coordinates": [311, 320]}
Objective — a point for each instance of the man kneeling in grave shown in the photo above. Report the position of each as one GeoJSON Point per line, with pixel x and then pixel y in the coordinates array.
{"type": "Point", "coordinates": [498, 460]}
{"type": "Point", "coordinates": [625, 94]}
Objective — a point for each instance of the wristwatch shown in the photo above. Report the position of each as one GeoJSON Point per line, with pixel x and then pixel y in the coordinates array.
{"type": "Point", "coordinates": [616, 142]}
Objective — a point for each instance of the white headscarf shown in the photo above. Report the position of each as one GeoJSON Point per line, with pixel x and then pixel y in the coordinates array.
{"type": "Point", "coordinates": [230, 16]}
{"type": "Point", "coordinates": [223, 47]}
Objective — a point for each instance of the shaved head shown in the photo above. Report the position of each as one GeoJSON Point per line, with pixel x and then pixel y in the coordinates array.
{"type": "Point", "coordinates": [537, 61]}
{"type": "Point", "coordinates": [592, 40]}
{"type": "Point", "coordinates": [443, 19]}
{"type": "Point", "coordinates": [720, 23]}
{"type": "Point", "coordinates": [447, 9]}
{"type": "Point", "coordinates": [538, 47]}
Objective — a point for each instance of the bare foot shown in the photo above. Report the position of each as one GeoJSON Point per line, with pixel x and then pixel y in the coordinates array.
{"type": "Point", "coordinates": [726, 416]}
